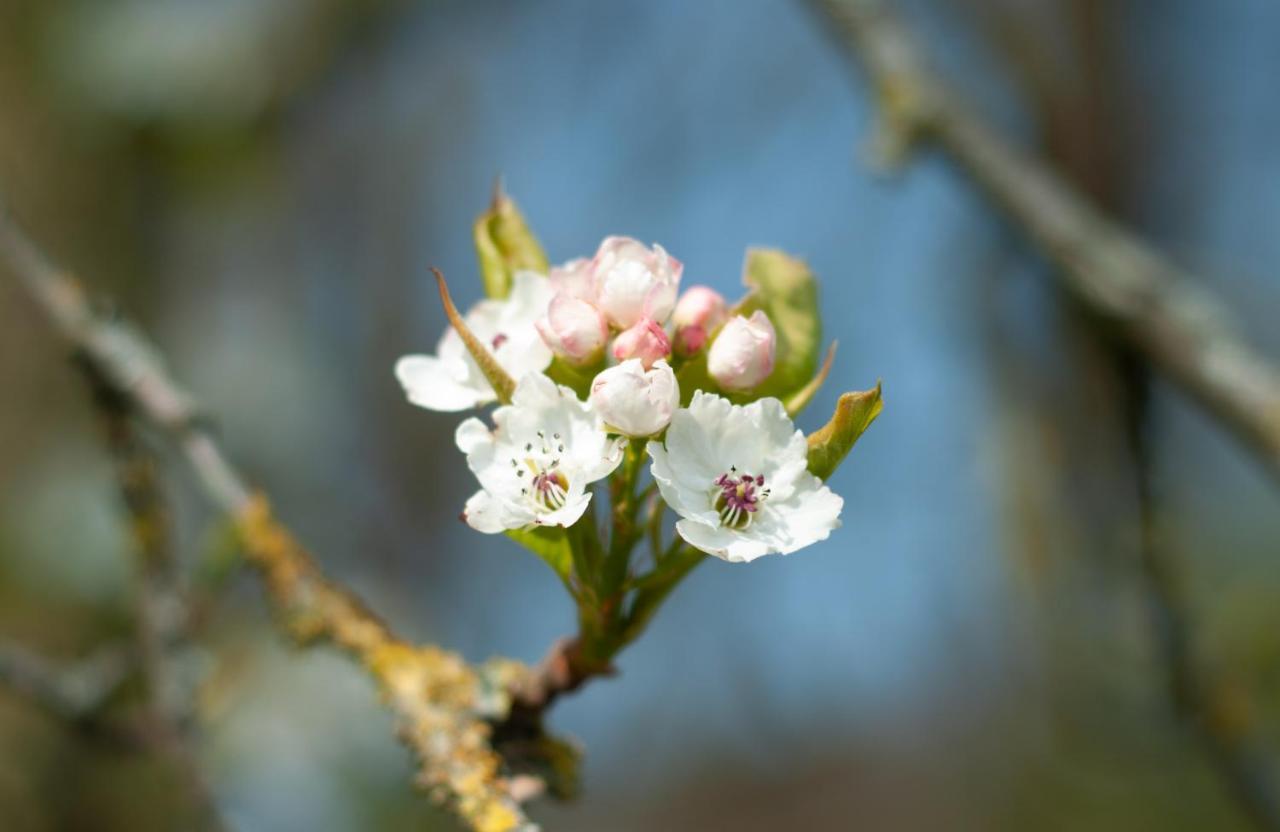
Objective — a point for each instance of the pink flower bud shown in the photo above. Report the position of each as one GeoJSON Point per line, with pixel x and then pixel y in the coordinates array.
{"type": "Point", "coordinates": [574, 279]}
{"type": "Point", "coordinates": [700, 306]}
{"type": "Point", "coordinates": [574, 329]}
{"type": "Point", "coordinates": [635, 401]}
{"type": "Point", "coordinates": [700, 310]}
{"type": "Point", "coordinates": [645, 341]}
{"type": "Point", "coordinates": [689, 340]}
{"type": "Point", "coordinates": [634, 282]}
{"type": "Point", "coordinates": [742, 355]}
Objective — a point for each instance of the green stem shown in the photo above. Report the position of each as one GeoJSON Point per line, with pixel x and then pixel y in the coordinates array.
{"type": "Point", "coordinates": [625, 532]}
{"type": "Point", "coordinates": [584, 543]}
{"type": "Point", "coordinates": [654, 588]}
{"type": "Point", "coordinates": [657, 510]}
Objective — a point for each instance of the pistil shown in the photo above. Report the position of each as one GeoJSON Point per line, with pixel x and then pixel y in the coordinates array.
{"type": "Point", "coordinates": [738, 497]}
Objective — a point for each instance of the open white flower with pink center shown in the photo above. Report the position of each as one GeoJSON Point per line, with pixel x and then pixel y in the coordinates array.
{"type": "Point", "coordinates": [535, 465]}
{"type": "Point", "coordinates": [634, 401]}
{"type": "Point", "coordinates": [738, 477]}
{"type": "Point", "coordinates": [633, 281]}
{"type": "Point", "coordinates": [451, 380]}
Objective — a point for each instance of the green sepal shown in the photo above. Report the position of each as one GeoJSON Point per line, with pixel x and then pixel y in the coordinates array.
{"type": "Point", "coordinates": [575, 378]}
{"type": "Point", "coordinates": [784, 288]}
{"type": "Point", "coordinates": [505, 245]}
{"type": "Point", "coordinates": [503, 384]}
{"type": "Point", "coordinates": [693, 376]}
{"type": "Point", "coordinates": [829, 445]}
{"type": "Point", "coordinates": [551, 543]}
{"type": "Point", "coordinates": [800, 399]}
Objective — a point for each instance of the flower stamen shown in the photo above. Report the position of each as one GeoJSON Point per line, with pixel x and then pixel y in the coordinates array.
{"type": "Point", "coordinates": [548, 486]}
{"type": "Point", "coordinates": [737, 498]}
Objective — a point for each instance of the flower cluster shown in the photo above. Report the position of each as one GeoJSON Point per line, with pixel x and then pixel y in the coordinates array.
{"type": "Point", "coordinates": [602, 364]}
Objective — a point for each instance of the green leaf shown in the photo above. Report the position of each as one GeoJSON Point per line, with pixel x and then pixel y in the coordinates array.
{"type": "Point", "coordinates": [829, 445]}
{"type": "Point", "coordinates": [505, 245]}
{"type": "Point", "coordinates": [502, 383]}
{"type": "Point", "coordinates": [785, 289]}
{"type": "Point", "coordinates": [551, 543]}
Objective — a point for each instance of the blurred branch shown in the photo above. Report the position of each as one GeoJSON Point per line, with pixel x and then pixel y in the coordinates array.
{"type": "Point", "coordinates": [75, 691]}
{"type": "Point", "coordinates": [444, 707]}
{"type": "Point", "coordinates": [1218, 709]}
{"type": "Point", "coordinates": [162, 609]}
{"type": "Point", "coordinates": [1174, 324]}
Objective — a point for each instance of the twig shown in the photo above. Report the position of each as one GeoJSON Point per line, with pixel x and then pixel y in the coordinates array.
{"type": "Point", "coordinates": [162, 609]}
{"type": "Point", "coordinates": [74, 691]}
{"type": "Point", "coordinates": [1154, 307]}
{"type": "Point", "coordinates": [444, 707]}
{"type": "Point", "coordinates": [1173, 323]}
{"type": "Point", "coordinates": [1216, 708]}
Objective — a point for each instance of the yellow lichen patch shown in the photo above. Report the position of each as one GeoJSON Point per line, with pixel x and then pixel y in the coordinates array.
{"type": "Point", "coordinates": [442, 704]}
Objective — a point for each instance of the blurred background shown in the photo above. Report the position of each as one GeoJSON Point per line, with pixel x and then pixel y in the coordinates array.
{"type": "Point", "coordinates": [262, 185]}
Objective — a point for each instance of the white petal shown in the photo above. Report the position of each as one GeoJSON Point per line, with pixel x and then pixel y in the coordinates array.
{"type": "Point", "coordinates": [472, 435]}
{"type": "Point", "coordinates": [686, 499]}
{"type": "Point", "coordinates": [597, 465]}
{"type": "Point", "coordinates": [485, 319]}
{"type": "Point", "coordinates": [624, 288]}
{"type": "Point", "coordinates": [567, 514]}
{"type": "Point", "coordinates": [523, 352]}
{"type": "Point", "coordinates": [440, 384]}
{"type": "Point", "coordinates": [809, 516]}
{"type": "Point", "coordinates": [695, 441]}
{"type": "Point", "coordinates": [786, 451]}
{"type": "Point", "coordinates": [723, 543]}
{"type": "Point", "coordinates": [486, 514]}
{"type": "Point", "coordinates": [538, 394]}
{"type": "Point", "coordinates": [530, 295]}
{"type": "Point", "coordinates": [575, 279]}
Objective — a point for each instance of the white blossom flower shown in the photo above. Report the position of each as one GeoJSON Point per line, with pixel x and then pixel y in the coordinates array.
{"type": "Point", "coordinates": [738, 477]}
{"type": "Point", "coordinates": [535, 465]}
{"type": "Point", "coordinates": [743, 353]}
{"type": "Point", "coordinates": [451, 380]}
{"type": "Point", "coordinates": [634, 401]}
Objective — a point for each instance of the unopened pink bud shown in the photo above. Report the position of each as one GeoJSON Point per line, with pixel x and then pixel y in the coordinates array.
{"type": "Point", "coordinates": [645, 341]}
{"type": "Point", "coordinates": [634, 401]}
{"type": "Point", "coordinates": [574, 329]}
{"type": "Point", "coordinates": [689, 340]}
{"type": "Point", "coordinates": [700, 306]}
{"type": "Point", "coordinates": [743, 353]}
{"type": "Point", "coordinates": [575, 279]}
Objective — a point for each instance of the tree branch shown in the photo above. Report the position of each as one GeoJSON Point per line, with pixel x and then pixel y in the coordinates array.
{"type": "Point", "coordinates": [1175, 326]}
{"type": "Point", "coordinates": [444, 707]}
{"type": "Point", "coordinates": [163, 633]}
{"type": "Point", "coordinates": [1216, 707]}
{"type": "Point", "coordinates": [74, 691]}
{"type": "Point", "coordinates": [1173, 323]}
